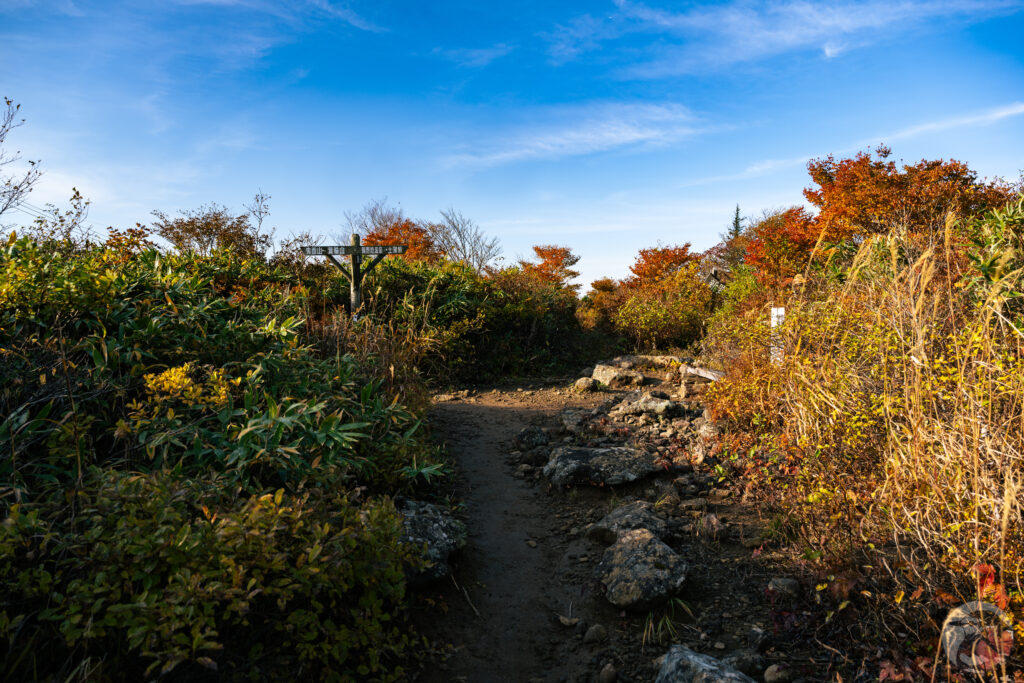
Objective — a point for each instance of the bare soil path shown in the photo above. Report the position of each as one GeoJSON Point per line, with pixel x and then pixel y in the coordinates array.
{"type": "Point", "coordinates": [528, 562]}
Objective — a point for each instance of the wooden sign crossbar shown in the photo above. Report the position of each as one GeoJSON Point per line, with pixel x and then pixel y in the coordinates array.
{"type": "Point", "coordinates": [346, 250]}
{"type": "Point", "coordinates": [355, 270]}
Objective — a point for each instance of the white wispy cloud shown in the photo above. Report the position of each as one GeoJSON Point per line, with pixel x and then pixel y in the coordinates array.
{"type": "Point", "coordinates": [582, 130]}
{"type": "Point", "coordinates": [296, 11]}
{"type": "Point", "coordinates": [721, 34]}
{"type": "Point", "coordinates": [475, 57]}
{"type": "Point", "coordinates": [983, 118]}
{"type": "Point", "coordinates": [767, 166]}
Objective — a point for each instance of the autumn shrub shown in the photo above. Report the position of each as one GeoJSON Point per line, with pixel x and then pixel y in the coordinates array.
{"type": "Point", "coordinates": [892, 425]}
{"type": "Point", "coordinates": [150, 408]}
{"type": "Point", "coordinates": [670, 311]}
{"type": "Point", "coordinates": [475, 326]}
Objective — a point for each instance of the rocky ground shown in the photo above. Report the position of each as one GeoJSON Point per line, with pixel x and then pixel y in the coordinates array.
{"type": "Point", "coordinates": [599, 536]}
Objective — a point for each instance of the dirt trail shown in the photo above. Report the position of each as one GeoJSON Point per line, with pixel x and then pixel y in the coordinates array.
{"type": "Point", "coordinates": [508, 569]}
{"type": "Point", "coordinates": [528, 561]}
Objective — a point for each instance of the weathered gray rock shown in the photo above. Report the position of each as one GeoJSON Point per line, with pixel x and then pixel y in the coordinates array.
{"type": "Point", "coordinates": [636, 515]}
{"type": "Point", "coordinates": [745, 661]}
{"type": "Point", "coordinates": [639, 570]}
{"type": "Point", "coordinates": [617, 377]}
{"type": "Point", "coordinates": [609, 674]}
{"type": "Point", "coordinates": [784, 585]}
{"type": "Point", "coordinates": [648, 404]}
{"type": "Point", "coordinates": [692, 372]}
{"type": "Point", "coordinates": [776, 673]}
{"type": "Point", "coordinates": [433, 529]}
{"type": "Point", "coordinates": [595, 634]}
{"type": "Point", "coordinates": [683, 665]}
{"type": "Point", "coordinates": [531, 437]}
{"type": "Point", "coordinates": [585, 385]}
{"type": "Point", "coordinates": [574, 419]}
{"type": "Point", "coordinates": [711, 526]}
{"type": "Point", "coordinates": [570, 465]}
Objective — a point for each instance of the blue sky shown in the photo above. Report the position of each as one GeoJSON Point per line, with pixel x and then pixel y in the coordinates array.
{"type": "Point", "coordinates": [607, 126]}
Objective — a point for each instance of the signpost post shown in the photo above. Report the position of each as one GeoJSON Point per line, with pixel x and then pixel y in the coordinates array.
{"type": "Point", "coordinates": [355, 270]}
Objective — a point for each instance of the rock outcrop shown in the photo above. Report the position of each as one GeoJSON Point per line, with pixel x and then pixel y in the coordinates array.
{"type": "Point", "coordinates": [639, 570]}
{"type": "Point", "coordinates": [571, 465]}
{"type": "Point", "coordinates": [616, 377]}
{"type": "Point", "coordinates": [637, 515]}
{"type": "Point", "coordinates": [431, 528]}
{"type": "Point", "coordinates": [683, 665]}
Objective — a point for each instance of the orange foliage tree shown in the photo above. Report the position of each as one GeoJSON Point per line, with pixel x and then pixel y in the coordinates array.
{"type": "Point", "coordinates": [781, 244]}
{"type": "Point", "coordinates": [404, 231]}
{"type": "Point", "coordinates": [555, 265]}
{"type": "Point", "coordinates": [655, 263]}
{"type": "Point", "coordinates": [865, 195]}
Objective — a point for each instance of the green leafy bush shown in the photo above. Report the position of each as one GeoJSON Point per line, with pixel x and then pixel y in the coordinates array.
{"type": "Point", "coordinates": [148, 574]}
{"type": "Point", "coordinates": [191, 479]}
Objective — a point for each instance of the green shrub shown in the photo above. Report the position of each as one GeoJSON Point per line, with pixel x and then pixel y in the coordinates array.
{"type": "Point", "coordinates": [148, 574]}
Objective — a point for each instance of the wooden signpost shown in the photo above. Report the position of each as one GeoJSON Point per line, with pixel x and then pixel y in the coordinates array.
{"type": "Point", "coordinates": [355, 270]}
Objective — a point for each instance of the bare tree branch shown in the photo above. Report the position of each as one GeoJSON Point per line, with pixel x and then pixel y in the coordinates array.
{"type": "Point", "coordinates": [13, 188]}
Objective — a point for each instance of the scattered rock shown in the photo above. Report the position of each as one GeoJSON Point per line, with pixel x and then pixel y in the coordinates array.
{"type": "Point", "coordinates": [745, 661]}
{"type": "Point", "coordinates": [692, 371]}
{"type": "Point", "coordinates": [524, 471]}
{"type": "Point", "coordinates": [573, 420]}
{"type": "Point", "coordinates": [647, 404]}
{"type": "Point", "coordinates": [531, 437]}
{"type": "Point", "coordinates": [636, 515]}
{"type": "Point", "coordinates": [784, 585]}
{"type": "Point", "coordinates": [711, 526]}
{"type": "Point", "coordinates": [585, 385]}
{"type": "Point", "coordinates": [708, 430]}
{"type": "Point", "coordinates": [595, 634]}
{"type": "Point", "coordinates": [608, 674]}
{"type": "Point", "coordinates": [427, 525]}
{"type": "Point", "coordinates": [609, 466]}
{"type": "Point", "coordinates": [617, 377]}
{"type": "Point", "coordinates": [694, 504]}
{"type": "Point", "coordinates": [691, 390]}
{"type": "Point", "coordinates": [683, 665]}
{"type": "Point", "coordinates": [639, 570]}
{"type": "Point", "coordinates": [532, 543]}
{"type": "Point", "coordinates": [777, 673]}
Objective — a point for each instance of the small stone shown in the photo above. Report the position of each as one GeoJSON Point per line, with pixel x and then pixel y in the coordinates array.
{"type": "Point", "coordinates": [711, 526]}
{"type": "Point", "coordinates": [719, 645]}
{"type": "Point", "coordinates": [585, 385]}
{"type": "Point", "coordinates": [595, 634]}
{"type": "Point", "coordinates": [531, 437]}
{"type": "Point", "coordinates": [784, 585]}
{"type": "Point", "coordinates": [776, 673]}
{"type": "Point", "coordinates": [532, 543]}
{"type": "Point", "coordinates": [608, 674]}
{"type": "Point", "coordinates": [524, 470]}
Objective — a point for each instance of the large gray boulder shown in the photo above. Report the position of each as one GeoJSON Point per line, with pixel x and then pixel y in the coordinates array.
{"type": "Point", "coordinates": [616, 377]}
{"type": "Point", "coordinates": [433, 530]}
{"type": "Point", "coordinates": [639, 570]}
{"type": "Point", "coordinates": [683, 665]}
{"type": "Point", "coordinates": [636, 515]}
{"type": "Point", "coordinates": [570, 465]}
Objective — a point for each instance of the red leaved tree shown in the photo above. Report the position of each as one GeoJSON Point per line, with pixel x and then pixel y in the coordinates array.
{"type": "Point", "coordinates": [864, 195]}
{"type": "Point", "coordinates": [654, 263]}
{"type": "Point", "coordinates": [555, 265]}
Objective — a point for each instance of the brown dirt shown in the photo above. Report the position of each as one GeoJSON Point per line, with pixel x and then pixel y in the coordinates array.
{"type": "Point", "coordinates": [528, 562]}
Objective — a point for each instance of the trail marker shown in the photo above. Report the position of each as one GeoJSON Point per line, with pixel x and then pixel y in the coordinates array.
{"type": "Point", "coordinates": [355, 270]}
{"type": "Point", "coordinates": [778, 317]}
